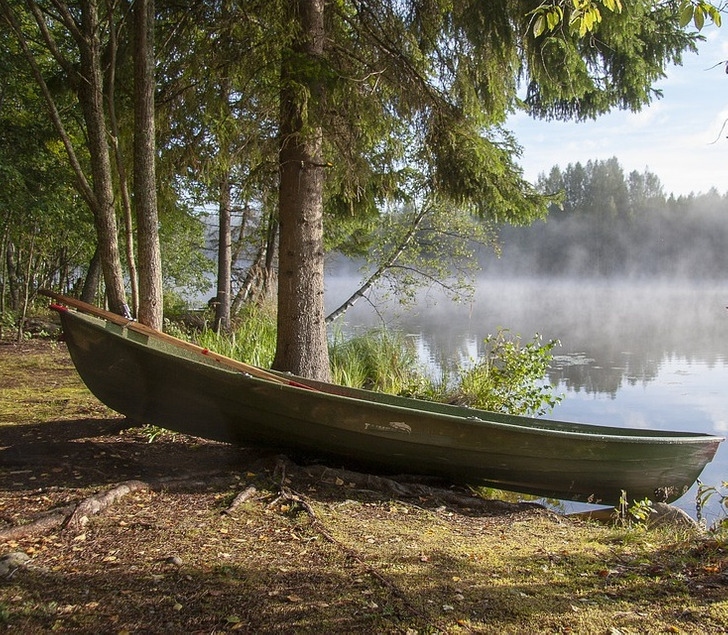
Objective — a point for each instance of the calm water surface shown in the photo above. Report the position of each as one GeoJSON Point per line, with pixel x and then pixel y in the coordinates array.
{"type": "Point", "coordinates": [632, 354]}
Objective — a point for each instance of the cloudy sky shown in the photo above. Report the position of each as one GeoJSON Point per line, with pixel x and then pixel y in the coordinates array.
{"type": "Point", "coordinates": [678, 137]}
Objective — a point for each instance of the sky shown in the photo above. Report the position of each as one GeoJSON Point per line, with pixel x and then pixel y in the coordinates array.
{"type": "Point", "coordinates": [677, 137]}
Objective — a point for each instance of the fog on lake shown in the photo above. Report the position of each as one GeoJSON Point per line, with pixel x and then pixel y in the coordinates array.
{"type": "Point", "coordinates": [634, 354]}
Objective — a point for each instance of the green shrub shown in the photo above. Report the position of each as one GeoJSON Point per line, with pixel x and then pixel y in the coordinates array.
{"type": "Point", "coordinates": [508, 377]}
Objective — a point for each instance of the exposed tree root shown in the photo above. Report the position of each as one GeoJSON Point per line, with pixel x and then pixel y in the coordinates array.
{"type": "Point", "coordinates": [77, 515]}
{"type": "Point", "coordinates": [98, 502]}
{"type": "Point", "coordinates": [243, 496]}
{"type": "Point", "coordinates": [43, 523]}
{"type": "Point", "coordinates": [407, 489]}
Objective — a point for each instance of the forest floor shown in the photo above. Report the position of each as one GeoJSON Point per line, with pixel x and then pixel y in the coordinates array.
{"type": "Point", "coordinates": [179, 534]}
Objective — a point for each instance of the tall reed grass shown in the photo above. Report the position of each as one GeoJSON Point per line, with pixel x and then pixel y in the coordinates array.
{"type": "Point", "coordinates": [253, 339]}
{"type": "Point", "coordinates": [509, 377]}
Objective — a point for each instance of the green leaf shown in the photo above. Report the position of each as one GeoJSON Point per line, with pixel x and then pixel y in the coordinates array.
{"type": "Point", "coordinates": [552, 19]}
{"type": "Point", "coordinates": [686, 14]}
{"type": "Point", "coordinates": [699, 18]}
{"type": "Point", "coordinates": [714, 13]}
{"type": "Point", "coordinates": [539, 26]}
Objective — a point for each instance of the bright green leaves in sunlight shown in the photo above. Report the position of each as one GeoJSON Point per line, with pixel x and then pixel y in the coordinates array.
{"type": "Point", "coordinates": [547, 19]}
{"type": "Point", "coordinates": [697, 12]}
{"type": "Point", "coordinates": [584, 16]}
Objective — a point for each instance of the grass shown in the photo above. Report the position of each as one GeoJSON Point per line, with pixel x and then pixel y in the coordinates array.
{"type": "Point", "coordinates": [22, 400]}
{"type": "Point", "coordinates": [252, 340]}
{"type": "Point", "coordinates": [378, 360]}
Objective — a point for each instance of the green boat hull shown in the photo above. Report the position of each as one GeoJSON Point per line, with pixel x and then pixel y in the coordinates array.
{"type": "Point", "coordinates": [150, 380]}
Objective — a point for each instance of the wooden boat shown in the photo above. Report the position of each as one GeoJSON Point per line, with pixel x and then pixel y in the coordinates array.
{"type": "Point", "coordinates": [154, 378]}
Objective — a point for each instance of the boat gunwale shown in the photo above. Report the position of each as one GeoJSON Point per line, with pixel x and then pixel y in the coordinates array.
{"type": "Point", "coordinates": [530, 425]}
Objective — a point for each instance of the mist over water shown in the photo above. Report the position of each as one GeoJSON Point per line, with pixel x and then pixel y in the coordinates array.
{"type": "Point", "coordinates": [638, 354]}
{"type": "Point", "coordinates": [628, 326]}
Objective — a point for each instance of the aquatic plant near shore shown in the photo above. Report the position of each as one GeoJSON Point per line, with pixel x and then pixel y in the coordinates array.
{"type": "Point", "coordinates": [508, 377]}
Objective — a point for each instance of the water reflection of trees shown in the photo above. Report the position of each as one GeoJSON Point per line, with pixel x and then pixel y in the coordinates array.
{"type": "Point", "coordinates": [607, 379]}
{"type": "Point", "coordinates": [612, 334]}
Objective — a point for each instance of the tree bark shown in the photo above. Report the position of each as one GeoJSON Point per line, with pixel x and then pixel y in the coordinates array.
{"type": "Point", "coordinates": [12, 276]}
{"type": "Point", "coordinates": [93, 278]}
{"type": "Point", "coordinates": [224, 256]}
{"type": "Point", "coordinates": [301, 345]}
{"type": "Point", "coordinates": [121, 171]}
{"type": "Point", "coordinates": [91, 92]}
{"type": "Point", "coordinates": [145, 186]}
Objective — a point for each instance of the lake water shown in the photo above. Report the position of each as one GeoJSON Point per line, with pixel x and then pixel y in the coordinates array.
{"type": "Point", "coordinates": [634, 354]}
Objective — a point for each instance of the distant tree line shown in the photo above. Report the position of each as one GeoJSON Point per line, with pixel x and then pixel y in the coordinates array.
{"type": "Point", "coordinates": [614, 224]}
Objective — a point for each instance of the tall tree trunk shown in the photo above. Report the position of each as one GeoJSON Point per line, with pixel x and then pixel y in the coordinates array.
{"type": "Point", "coordinates": [4, 248]}
{"type": "Point", "coordinates": [120, 169]}
{"type": "Point", "coordinates": [301, 345]}
{"type": "Point", "coordinates": [26, 286]}
{"type": "Point", "coordinates": [93, 278]}
{"type": "Point", "coordinates": [87, 78]}
{"type": "Point", "coordinates": [224, 256]}
{"type": "Point", "coordinates": [13, 276]}
{"type": "Point", "coordinates": [270, 253]}
{"type": "Point", "coordinates": [145, 186]}
{"type": "Point", "coordinates": [91, 93]}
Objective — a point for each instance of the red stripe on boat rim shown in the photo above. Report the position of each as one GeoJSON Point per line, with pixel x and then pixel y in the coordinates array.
{"type": "Point", "coordinates": [58, 307]}
{"type": "Point", "coordinates": [295, 384]}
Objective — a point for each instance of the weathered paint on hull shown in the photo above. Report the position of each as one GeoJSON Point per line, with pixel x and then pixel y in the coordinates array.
{"type": "Point", "coordinates": [152, 381]}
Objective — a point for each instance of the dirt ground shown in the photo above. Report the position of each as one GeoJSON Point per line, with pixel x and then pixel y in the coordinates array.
{"type": "Point", "coordinates": [179, 534]}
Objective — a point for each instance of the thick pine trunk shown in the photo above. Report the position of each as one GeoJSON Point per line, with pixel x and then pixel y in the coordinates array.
{"type": "Point", "coordinates": [145, 186]}
{"type": "Point", "coordinates": [302, 346]}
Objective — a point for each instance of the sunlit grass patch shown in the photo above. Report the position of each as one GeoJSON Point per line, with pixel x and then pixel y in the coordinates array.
{"type": "Point", "coordinates": [252, 340]}
{"type": "Point", "coordinates": [379, 360]}
{"type": "Point", "coordinates": [41, 385]}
